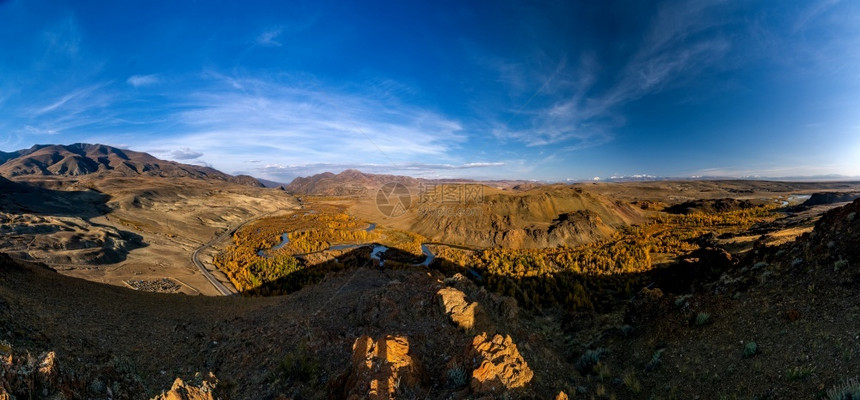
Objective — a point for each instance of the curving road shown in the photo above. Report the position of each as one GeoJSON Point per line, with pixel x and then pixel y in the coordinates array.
{"type": "Point", "coordinates": [195, 258]}
{"type": "Point", "coordinates": [227, 292]}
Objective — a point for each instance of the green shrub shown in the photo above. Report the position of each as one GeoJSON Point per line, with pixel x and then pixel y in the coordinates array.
{"type": "Point", "coordinates": [702, 318]}
{"type": "Point", "coordinates": [632, 383]}
{"type": "Point", "coordinates": [847, 390]}
{"type": "Point", "coordinates": [457, 376]}
{"type": "Point", "coordinates": [798, 373]}
{"type": "Point", "coordinates": [681, 301]}
{"type": "Point", "coordinates": [626, 330]}
{"type": "Point", "coordinates": [750, 349]}
{"type": "Point", "coordinates": [123, 365]}
{"type": "Point", "coordinates": [655, 361]}
{"type": "Point", "coordinates": [589, 359]}
{"type": "Point", "coordinates": [602, 371]}
{"type": "Point", "coordinates": [299, 366]}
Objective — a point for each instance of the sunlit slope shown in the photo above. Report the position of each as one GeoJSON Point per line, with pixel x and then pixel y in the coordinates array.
{"type": "Point", "coordinates": [546, 216]}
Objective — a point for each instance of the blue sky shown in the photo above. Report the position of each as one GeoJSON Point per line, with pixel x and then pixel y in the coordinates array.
{"type": "Point", "coordinates": [497, 89]}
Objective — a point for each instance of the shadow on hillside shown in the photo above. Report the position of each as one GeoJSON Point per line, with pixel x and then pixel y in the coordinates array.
{"type": "Point", "coordinates": [25, 198]}
{"type": "Point", "coordinates": [564, 290]}
{"type": "Point", "coordinates": [21, 197]}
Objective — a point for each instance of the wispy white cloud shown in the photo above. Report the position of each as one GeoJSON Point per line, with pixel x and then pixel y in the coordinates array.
{"type": "Point", "coordinates": [814, 10]}
{"type": "Point", "coordinates": [774, 171]}
{"type": "Point", "coordinates": [301, 114]}
{"type": "Point", "coordinates": [143, 80]}
{"type": "Point", "coordinates": [673, 52]}
{"type": "Point", "coordinates": [185, 154]}
{"type": "Point", "coordinates": [76, 101]}
{"type": "Point", "coordinates": [274, 36]}
{"type": "Point", "coordinates": [560, 122]}
{"type": "Point", "coordinates": [87, 106]}
{"type": "Point", "coordinates": [269, 37]}
{"type": "Point", "coordinates": [71, 97]}
{"type": "Point", "coordinates": [235, 119]}
{"type": "Point", "coordinates": [429, 170]}
{"type": "Point", "coordinates": [39, 131]}
{"type": "Point", "coordinates": [64, 38]}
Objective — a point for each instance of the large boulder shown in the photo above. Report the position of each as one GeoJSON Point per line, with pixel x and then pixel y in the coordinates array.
{"type": "Point", "coordinates": [498, 366]}
{"type": "Point", "coordinates": [202, 389]}
{"type": "Point", "coordinates": [380, 367]}
{"type": "Point", "coordinates": [26, 375]}
{"type": "Point", "coordinates": [469, 316]}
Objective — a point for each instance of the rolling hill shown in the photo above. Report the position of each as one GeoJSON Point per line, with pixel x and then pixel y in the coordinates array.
{"type": "Point", "coordinates": [352, 182]}
{"type": "Point", "coordinates": [546, 216]}
{"type": "Point", "coordinates": [349, 182]}
{"type": "Point", "coordinates": [89, 159]}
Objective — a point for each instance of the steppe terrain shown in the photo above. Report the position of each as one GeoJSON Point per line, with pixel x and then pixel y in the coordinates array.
{"type": "Point", "coordinates": [130, 217]}
{"type": "Point", "coordinates": [670, 289]}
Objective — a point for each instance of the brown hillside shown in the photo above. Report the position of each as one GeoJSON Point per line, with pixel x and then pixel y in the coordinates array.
{"type": "Point", "coordinates": [546, 216]}
{"type": "Point", "coordinates": [352, 182]}
{"type": "Point", "coordinates": [710, 206]}
{"type": "Point", "coordinates": [347, 183]}
{"type": "Point", "coordinates": [305, 345]}
{"type": "Point", "coordinates": [406, 331]}
{"type": "Point", "coordinates": [85, 159]}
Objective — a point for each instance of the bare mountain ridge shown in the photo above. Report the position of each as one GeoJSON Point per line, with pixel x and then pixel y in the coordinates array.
{"type": "Point", "coordinates": [547, 216]}
{"type": "Point", "coordinates": [354, 182]}
{"type": "Point", "coordinates": [349, 182]}
{"type": "Point", "coordinates": [88, 159]}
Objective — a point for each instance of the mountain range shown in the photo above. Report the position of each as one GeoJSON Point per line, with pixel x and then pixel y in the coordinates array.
{"type": "Point", "coordinates": [96, 159]}
{"type": "Point", "coordinates": [355, 182]}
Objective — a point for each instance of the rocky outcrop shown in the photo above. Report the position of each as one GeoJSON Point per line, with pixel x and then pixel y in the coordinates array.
{"type": "Point", "coordinates": [492, 312]}
{"type": "Point", "coordinates": [26, 375]}
{"type": "Point", "coordinates": [830, 198]}
{"type": "Point", "coordinates": [469, 316]}
{"type": "Point", "coordinates": [497, 365]}
{"type": "Point", "coordinates": [203, 389]}
{"type": "Point", "coordinates": [381, 367]}
{"type": "Point", "coordinates": [710, 206]}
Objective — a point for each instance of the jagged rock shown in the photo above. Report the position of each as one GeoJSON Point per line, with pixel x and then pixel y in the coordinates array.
{"type": "Point", "coordinates": [47, 374]}
{"type": "Point", "coordinates": [830, 198]}
{"type": "Point", "coordinates": [710, 206]}
{"type": "Point", "coordinates": [561, 396]}
{"type": "Point", "coordinates": [380, 367]}
{"type": "Point", "coordinates": [24, 376]}
{"type": "Point", "coordinates": [184, 391]}
{"type": "Point", "coordinates": [498, 365]}
{"type": "Point", "coordinates": [467, 315]}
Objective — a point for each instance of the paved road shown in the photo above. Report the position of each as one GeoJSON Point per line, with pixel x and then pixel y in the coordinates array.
{"type": "Point", "coordinates": [195, 258]}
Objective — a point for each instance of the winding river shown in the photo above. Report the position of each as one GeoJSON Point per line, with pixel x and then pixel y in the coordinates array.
{"type": "Point", "coordinates": [795, 199]}
{"type": "Point", "coordinates": [375, 254]}
{"type": "Point", "coordinates": [285, 238]}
